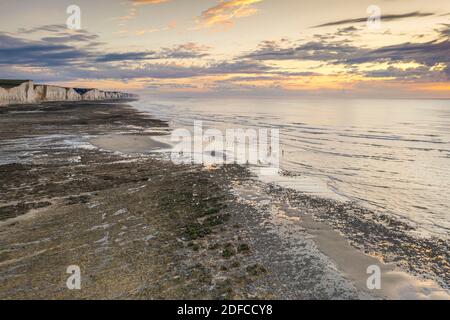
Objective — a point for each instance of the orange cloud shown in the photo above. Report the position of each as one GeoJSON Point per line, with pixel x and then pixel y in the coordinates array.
{"type": "Point", "coordinates": [139, 2]}
{"type": "Point", "coordinates": [443, 87]}
{"type": "Point", "coordinates": [103, 84]}
{"type": "Point", "coordinates": [227, 10]}
{"type": "Point", "coordinates": [172, 24]}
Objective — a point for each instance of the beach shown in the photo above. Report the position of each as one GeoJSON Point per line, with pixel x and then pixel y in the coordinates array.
{"type": "Point", "coordinates": [85, 184]}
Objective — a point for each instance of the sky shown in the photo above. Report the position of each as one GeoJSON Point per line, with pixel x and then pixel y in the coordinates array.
{"type": "Point", "coordinates": [233, 48]}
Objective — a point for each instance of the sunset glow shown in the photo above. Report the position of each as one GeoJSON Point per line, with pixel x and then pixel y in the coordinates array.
{"type": "Point", "coordinates": [234, 46]}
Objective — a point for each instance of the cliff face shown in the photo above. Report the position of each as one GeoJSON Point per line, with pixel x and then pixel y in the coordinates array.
{"type": "Point", "coordinates": [72, 95]}
{"type": "Point", "coordinates": [16, 93]}
{"type": "Point", "coordinates": [24, 91]}
{"type": "Point", "coordinates": [39, 92]}
{"type": "Point", "coordinates": [94, 94]}
{"type": "Point", "coordinates": [56, 94]}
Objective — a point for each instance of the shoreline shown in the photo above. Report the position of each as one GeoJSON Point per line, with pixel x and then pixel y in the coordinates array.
{"type": "Point", "coordinates": [390, 239]}
{"type": "Point", "coordinates": [230, 242]}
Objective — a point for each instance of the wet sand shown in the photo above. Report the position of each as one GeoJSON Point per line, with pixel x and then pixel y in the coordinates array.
{"type": "Point", "coordinates": [141, 227]}
{"type": "Point", "coordinates": [303, 235]}
{"type": "Point", "coordinates": [128, 143]}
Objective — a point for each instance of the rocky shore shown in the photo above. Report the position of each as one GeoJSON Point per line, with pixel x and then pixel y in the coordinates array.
{"type": "Point", "coordinates": [141, 227]}
{"type": "Point", "coordinates": [137, 226]}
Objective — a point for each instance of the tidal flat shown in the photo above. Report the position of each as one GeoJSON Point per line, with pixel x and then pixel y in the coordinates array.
{"type": "Point", "coordinates": [142, 227]}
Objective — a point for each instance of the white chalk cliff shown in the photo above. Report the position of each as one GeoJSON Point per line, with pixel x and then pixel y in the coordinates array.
{"type": "Point", "coordinates": [25, 91]}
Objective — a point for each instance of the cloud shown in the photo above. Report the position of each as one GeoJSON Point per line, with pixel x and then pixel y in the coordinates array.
{"type": "Point", "coordinates": [313, 50]}
{"type": "Point", "coordinates": [345, 53]}
{"type": "Point", "coordinates": [188, 50]}
{"type": "Point", "coordinates": [429, 54]}
{"type": "Point", "coordinates": [59, 33]}
{"type": "Point", "coordinates": [130, 15]}
{"type": "Point", "coordinates": [144, 31]}
{"type": "Point", "coordinates": [399, 73]}
{"type": "Point", "coordinates": [133, 13]}
{"type": "Point", "coordinates": [172, 24]}
{"type": "Point", "coordinates": [45, 28]}
{"type": "Point", "coordinates": [49, 60]}
{"type": "Point", "coordinates": [240, 66]}
{"type": "Point", "coordinates": [445, 32]}
{"type": "Point", "coordinates": [17, 51]}
{"type": "Point", "coordinates": [226, 11]}
{"type": "Point", "coordinates": [347, 31]}
{"type": "Point", "coordinates": [64, 60]}
{"type": "Point", "coordinates": [70, 38]}
{"type": "Point", "coordinates": [143, 2]}
{"type": "Point", "coordinates": [125, 56]}
{"type": "Point", "coordinates": [384, 17]}
{"type": "Point", "coordinates": [68, 56]}
{"type": "Point", "coordinates": [82, 49]}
